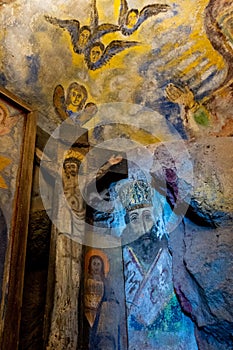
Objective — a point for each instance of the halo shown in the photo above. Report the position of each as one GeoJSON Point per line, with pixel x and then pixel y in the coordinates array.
{"type": "Point", "coordinates": [71, 153]}
{"type": "Point", "coordinates": [102, 255]}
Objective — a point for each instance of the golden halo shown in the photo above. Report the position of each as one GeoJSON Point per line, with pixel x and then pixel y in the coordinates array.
{"type": "Point", "coordinates": [71, 153]}
{"type": "Point", "coordinates": [102, 255]}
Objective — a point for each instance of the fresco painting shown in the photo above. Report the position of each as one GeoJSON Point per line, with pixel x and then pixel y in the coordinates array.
{"type": "Point", "coordinates": [73, 104]}
{"type": "Point", "coordinates": [195, 61]}
{"type": "Point", "coordinates": [154, 317]}
{"type": "Point", "coordinates": [144, 72]}
{"type": "Point", "coordinates": [101, 307]}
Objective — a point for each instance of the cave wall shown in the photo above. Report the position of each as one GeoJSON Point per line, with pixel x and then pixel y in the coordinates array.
{"type": "Point", "coordinates": [201, 245]}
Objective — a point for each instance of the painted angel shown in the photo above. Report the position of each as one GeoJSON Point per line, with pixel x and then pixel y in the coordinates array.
{"type": "Point", "coordinates": [73, 105]}
{"type": "Point", "coordinates": [131, 19]}
{"type": "Point", "coordinates": [6, 121]}
{"type": "Point", "coordinates": [83, 36]}
{"type": "Point", "coordinates": [98, 55]}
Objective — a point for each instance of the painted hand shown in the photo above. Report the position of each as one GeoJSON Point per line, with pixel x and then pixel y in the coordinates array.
{"type": "Point", "coordinates": [115, 160]}
{"type": "Point", "coordinates": [181, 96]}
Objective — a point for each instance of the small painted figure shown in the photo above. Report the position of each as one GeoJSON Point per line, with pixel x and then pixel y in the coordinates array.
{"type": "Point", "coordinates": [76, 98]}
{"type": "Point", "coordinates": [98, 55]}
{"type": "Point", "coordinates": [70, 183]}
{"type": "Point", "coordinates": [82, 37]}
{"type": "Point", "coordinates": [100, 304]}
{"type": "Point", "coordinates": [73, 105]}
{"type": "Point", "coordinates": [131, 19]}
{"type": "Point", "coordinates": [94, 288]}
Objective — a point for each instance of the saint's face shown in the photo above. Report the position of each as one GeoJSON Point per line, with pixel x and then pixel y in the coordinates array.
{"type": "Point", "coordinates": [71, 169]}
{"type": "Point", "coordinates": [96, 266]}
{"type": "Point", "coordinates": [76, 97]}
{"type": "Point", "coordinates": [84, 37]}
{"type": "Point", "coordinates": [141, 220]}
{"type": "Point", "coordinates": [95, 54]}
{"type": "Point", "coordinates": [132, 19]}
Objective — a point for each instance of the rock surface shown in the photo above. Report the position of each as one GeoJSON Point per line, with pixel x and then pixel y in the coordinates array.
{"type": "Point", "coordinates": [203, 279]}
{"type": "Point", "coordinates": [202, 245]}
{"type": "Point", "coordinates": [212, 200]}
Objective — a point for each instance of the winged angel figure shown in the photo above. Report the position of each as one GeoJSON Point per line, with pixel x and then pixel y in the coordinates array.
{"type": "Point", "coordinates": [97, 54]}
{"type": "Point", "coordinates": [131, 19]}
{"type": "Point", "coordinates": [83, 36]}
{"type": "Point", "coordinates": [85, 39]}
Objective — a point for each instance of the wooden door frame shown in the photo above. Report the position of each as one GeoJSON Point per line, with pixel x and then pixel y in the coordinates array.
{"type": "Point", "coordinates": [17, 237]}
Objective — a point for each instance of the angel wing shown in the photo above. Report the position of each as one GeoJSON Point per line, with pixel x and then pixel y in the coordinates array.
{"type": "Point", "coordinates": [115, 47]}
{"type": "Point", "coordinates": [147, 12]}
{"type": "Point", "coordinates": [59, 102]}
{"type": "Point", "coordinates": [97, 31]}
{"type": "Point", "coordinates": [123, 12]}
{"type": "Point", "coordinates": [72, 26]}
{"type": "Point", "coordinates": [94, 18]}
{"type": "Point", "coordinates": [152, 10]}
{"type": "Point", "coordinates": [102, 30]}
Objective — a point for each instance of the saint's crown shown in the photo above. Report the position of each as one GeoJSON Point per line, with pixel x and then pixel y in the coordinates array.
{"type": "Point", "coordinates": [135, 194]}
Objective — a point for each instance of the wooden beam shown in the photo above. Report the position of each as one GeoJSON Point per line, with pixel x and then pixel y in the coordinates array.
{"type": "Point", "coordinates": [19, 231]}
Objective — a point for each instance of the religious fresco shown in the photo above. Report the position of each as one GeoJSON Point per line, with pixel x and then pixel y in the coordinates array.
{"type": "Point", "coordinates": [145, 261]}
{"type": "Point", "coordinates": [85, 39]}
{"type": "Point", "coordinates": [102, 309]}
{"type": "Point", "coordinates": [131, 19]}
{"type": "Point", "coordinates": [137, 221]}
{"type": "Point", "coordinates": [119, 74]}
{"type": "Point", "coordinates": [137, 70]}
{"type": "Point", "coordinates": [73, 104]}
{"type": "Point", "coordinates": [154, 317]}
